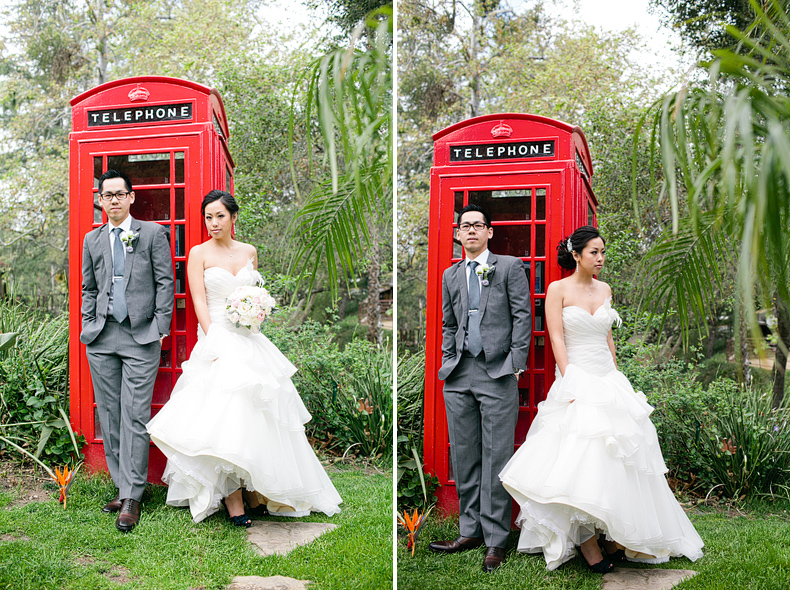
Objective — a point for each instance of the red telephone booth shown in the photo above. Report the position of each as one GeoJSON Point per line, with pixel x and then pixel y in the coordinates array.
{"type": "Point", "coordinates": [170, 137]}
{"type": "Point", "coordinates": [532, 175]}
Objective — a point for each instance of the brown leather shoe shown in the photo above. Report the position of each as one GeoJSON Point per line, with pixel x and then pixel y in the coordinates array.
{"type": "Point", "coordinates": [459, 544]}
{"type": "Point", "coordinates": [495, 556]}
{"type": "Point", "coordinates": [129, 515]}
{"type": "Point", "coordinates": [113, 506]}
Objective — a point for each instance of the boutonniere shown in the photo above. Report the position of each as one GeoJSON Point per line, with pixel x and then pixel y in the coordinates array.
{"type": "Point", "coordinates": [129, 238]}
{"type": "Point", "coordinates": [484, 271]}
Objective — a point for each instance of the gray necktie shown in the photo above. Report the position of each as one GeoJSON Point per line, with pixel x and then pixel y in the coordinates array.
{"type": "Point", "coordinates": [119, 310]}
{"type": "Point", "coordinates": [475, 340]}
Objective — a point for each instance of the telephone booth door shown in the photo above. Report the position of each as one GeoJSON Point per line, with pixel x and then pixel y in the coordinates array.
{"type": "Point", "coordinates": [172, 164]}
{"type": "Point", "coordinates": [532, 203]}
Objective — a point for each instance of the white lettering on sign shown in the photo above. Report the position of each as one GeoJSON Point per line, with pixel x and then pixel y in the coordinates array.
{"type": "Point", "coordinates": [140, 114]}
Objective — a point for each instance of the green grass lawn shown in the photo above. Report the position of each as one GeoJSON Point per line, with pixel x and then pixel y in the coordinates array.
{"type": "Point", "coordinates": [742, 551]}
{"type": "Point", "coordinates": [44, 546]}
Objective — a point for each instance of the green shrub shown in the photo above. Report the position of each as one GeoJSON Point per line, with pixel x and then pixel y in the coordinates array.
{"type": "Point", "coordinates": [34, 382]}
{"type": "Point", "coordinates": [715, 435]}
{"type": "Point", "coordinates": [335, 382]}
{"type": "Point", "coordinates": [415, 487]}
{"type": "Point", "coordinates": [746, 445]}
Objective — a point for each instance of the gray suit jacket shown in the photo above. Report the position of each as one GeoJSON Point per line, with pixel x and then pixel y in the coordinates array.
{"type": "Point", "coordinates": [148, 278]}
{"type": "Point", "coordinates": [505, 321]}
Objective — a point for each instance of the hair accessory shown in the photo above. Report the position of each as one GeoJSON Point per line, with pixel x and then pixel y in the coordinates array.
{"type": "Point", "coordinates": [570, 245]}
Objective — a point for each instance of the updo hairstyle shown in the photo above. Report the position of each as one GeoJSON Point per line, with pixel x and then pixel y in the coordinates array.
{"type": "Point", "coordinates": [224, 197]}
{"type": "Point", "coordinates": [578, 240]}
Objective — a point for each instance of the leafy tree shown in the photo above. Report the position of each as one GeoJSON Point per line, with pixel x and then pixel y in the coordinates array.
{"type": "Point", "coordinates": [531, 63]}
{"type": "Point", "coordinates": [725, 151]}
{"type": "Point", "coordinates": [346, 220]}
{"type": "Point", "coordinates": [347, 14]}
{"type": "Point", "coordinates": [702, 22]}
{"type": "Point", "coordinates": [58, 49]}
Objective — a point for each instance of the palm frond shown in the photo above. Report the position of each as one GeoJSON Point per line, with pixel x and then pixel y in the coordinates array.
{"type": "Point", "coordinates": [686, 271]}
{"type": "Point", "coordinates": [350, 96]}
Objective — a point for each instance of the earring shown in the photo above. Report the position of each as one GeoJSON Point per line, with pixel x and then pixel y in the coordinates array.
{"type": "Point", "coordinates": [577, 267]}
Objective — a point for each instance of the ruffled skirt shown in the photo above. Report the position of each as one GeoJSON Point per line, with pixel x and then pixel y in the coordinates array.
{"type": "Point", "coordinates": [591, 463]}
{"type": "Point", "coordinates": [235, 419]}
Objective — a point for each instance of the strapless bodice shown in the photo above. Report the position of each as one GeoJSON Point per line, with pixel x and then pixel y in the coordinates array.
{"type": "Point", "coordinates": [586, 336]}
{"type": "Point", "coordinates": [219, 283]}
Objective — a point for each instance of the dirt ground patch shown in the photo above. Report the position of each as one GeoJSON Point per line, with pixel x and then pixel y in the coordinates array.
{"type": "Point", "coordinates": [114, 573]}
{"type": "Point", "coordinates": [23, 481]}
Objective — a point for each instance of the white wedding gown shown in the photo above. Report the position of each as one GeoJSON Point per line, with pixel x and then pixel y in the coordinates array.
{"type": "Point", "coordinates": [235, 419]}
{"type": "Point", "coordinates": [591, 460]}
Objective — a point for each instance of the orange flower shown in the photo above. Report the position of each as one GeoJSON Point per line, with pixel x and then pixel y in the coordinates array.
{"type": "Point", "coordinates": [64, 479]}
{"type": "Point", "coordinates": [413, 524]}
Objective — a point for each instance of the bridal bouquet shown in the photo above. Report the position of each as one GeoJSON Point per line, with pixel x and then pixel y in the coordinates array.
{"type": "Point", "coordinates": [248, 306]}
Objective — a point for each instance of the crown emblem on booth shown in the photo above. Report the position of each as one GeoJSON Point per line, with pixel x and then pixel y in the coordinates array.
{"type": "Point", "coordinates": [139, 93]}
{"type": "Point", "coordinates": [502, 130]}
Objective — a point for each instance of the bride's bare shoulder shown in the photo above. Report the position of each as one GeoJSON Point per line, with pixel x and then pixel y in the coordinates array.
{"type": "Point", "coordinates": [557, 287]}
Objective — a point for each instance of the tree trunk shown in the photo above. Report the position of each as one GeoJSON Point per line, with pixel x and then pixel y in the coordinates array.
{"type": "Point", "coordinates": [372, 304]}
{"type": "Point", "coordinates": [474, 64]}
{"type": "Point", "coordinates": [780, 361]}
{"type": "Point", "coordinates": [746, 368]}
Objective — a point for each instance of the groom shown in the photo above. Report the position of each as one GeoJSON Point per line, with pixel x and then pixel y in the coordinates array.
{"type": "Point", "coordinates": [485, 339]}
{"type": "Point", "coordinates": [127, 303]}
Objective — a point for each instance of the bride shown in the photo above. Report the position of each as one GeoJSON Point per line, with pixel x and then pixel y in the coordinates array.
{"type": "Point", "coordinates": [233, 429]}
{"type": "Point", "coordinates": [591, 468]}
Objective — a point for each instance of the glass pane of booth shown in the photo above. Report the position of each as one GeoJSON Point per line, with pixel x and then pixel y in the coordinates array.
{"type": "Point", "coordinates": [540, 240]}
{"type": "Point", "coordinates": [143, 168]}
{"type": "Point", "coordinates": [97, 170]}
{"type": "Point", "coordinates": [151, 204]}
{"type": "Point", "coordinates": [459, 204]}
{"type": "Point", "coordinates": [528, 271]}
{"type": "Point", "coordinates": [540, 204]}
{"type": "Point", "coordinates": [181, 350]}
{"type": "Point", "coordinates": [165, 356]}
{"type": "Point", "coordinates": [180, 240]}
{"type": "Point", "coordinates": [181, 315]}
{"type": "Point", "coordinates": [458, 250]}
{"type": "Point", "coordinates": [162, 388]}
{"type": "Point", "coordinates": [505, 205]}
{"type": "Point", "coordinates": [179, 164]}
{"type": "Point", "coordinates": [540, 388]}
{"type": "Point", "coordinates": [513, 240]}
{"type": "Point", "coordinates": [179, 203]}
{"type": "Point", "coordinates": [539, 315]}
{"type": "Point", "coordinates": [180, 276]}
{"type": "Point", "coordinates": [540, 282]}
{"type": "Point", "coordinates": [96, 424]}
{"type": "Point", "coordinates": [590, 214]}
{"type": "Point", "coordinates": [523, 396]}
{"type": "Point", "coordinates": [539, 352]}
{"type": "Point", "coordinates": [97, 210]}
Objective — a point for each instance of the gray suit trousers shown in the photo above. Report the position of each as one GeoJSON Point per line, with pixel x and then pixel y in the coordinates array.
{"type": "Point", "coordinates": [123, 374]}
{"type": "Point", "coordinates": [481, 419]}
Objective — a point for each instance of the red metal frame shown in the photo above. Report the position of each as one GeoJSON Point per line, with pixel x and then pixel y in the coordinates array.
{"type": "Point", "coordinates": [207, 164]}
{"type": "Point", "coordinates": [569, 202]}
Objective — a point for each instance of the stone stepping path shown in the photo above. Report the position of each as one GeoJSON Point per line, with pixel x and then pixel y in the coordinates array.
{"type": "Point", "coordinates": [279, 538]}
{"type": "Point", "coordinates": [638, 579]}
{"type": "Point", "coordinates": [270, 583]}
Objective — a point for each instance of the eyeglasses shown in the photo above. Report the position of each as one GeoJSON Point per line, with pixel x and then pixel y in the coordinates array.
{"type": "Point", "coordinates": [110, 196]}
{"type": "Point", "coordinates": [465, 227]}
